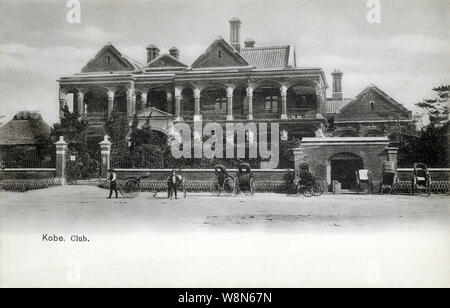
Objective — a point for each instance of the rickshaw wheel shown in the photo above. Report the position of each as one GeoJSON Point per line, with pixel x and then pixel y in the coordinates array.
{"type": "Point", "coordinates": [131, 188]}
{"type": "Point", "coordinates": [307, 192]}
{"type": "Point", "coordinates": [252, 186]}
{"type": "Point", "coordinates": [184, 188]}
{"type": "Point", "coordinates": [229, 187]}
{"type": "Point", "coordinates": [214, 187]}
{"type": "Point", "coordinates": [318, 189]}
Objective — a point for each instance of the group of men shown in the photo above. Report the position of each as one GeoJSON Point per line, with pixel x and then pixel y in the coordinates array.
{"type": "Point", "coordinates": [172, 184]}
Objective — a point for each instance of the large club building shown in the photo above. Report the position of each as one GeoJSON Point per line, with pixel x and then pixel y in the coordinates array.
{"type": "Point", "coordinates": [229, 82]}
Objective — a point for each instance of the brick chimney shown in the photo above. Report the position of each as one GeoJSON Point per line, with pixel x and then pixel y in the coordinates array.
{"type": "Point", "coordinates": [235, 35]}
{"type": "Point", "coordinates": [249, 43]}
{"type": "Point", "coordinates": [337, 84]}
{"type": "Point", "coordinates": [152, 52]}
{"type": "Point", "coordinates": [174, 52]}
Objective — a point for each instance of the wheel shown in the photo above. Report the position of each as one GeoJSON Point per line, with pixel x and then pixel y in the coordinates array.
{"type": "Point", "coordinates": [252, 186]}
{"type": "Point", "coordinates": [131, 188]}
{"type": "Point", "coordinates": [229, 187]}
{"type": "Point", "coordinates": [308, 192]}
{"type": "Point", "coordinates": [318, 189]}
{"type": "Point", "coordinates": [214, 187]}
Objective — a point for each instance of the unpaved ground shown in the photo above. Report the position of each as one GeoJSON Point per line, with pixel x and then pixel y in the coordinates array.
{"type": "Point", "coordinates": [86, 208]}
{"type": "Point", "coordinates": [267, 240]}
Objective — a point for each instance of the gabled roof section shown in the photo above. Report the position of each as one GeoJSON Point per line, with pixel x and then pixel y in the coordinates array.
{"type": "Point", "coordinates": [109, 59]}
{"type": "Point", "coordinates": [349, 109]}
{"type": "Point", "coordinates": [165, 61]}
{"type": "Point", "coordinates": [270, 57]}
{"type": "Point", "coordinates": [220, 54]}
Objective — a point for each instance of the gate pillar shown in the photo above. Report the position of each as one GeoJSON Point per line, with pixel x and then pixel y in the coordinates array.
{"type": "Point", "coordinates": [105, 148]}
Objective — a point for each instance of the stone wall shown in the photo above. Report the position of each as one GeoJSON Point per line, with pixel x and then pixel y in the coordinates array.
{"type": "Point", "coordinates": [318, 152]}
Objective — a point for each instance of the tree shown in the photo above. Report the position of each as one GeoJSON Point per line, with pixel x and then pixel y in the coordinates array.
{"type": "Point", "coordinates": [437, 108]}
{"type": "Point", "coordinates": [117, 128]}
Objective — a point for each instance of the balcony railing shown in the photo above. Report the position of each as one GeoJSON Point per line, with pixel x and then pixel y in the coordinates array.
{"type": "Point", "coordinates": [292, 113]}
{"type": "Point", "coordinates": [301, 113]}
{"type": "Point", "coordinates": [96, 115]}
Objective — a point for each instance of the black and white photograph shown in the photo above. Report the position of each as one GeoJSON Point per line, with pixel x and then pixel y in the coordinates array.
{"type": "Point", "coordinates": [256, 144]}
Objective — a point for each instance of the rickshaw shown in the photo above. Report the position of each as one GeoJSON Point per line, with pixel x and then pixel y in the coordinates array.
{"type": "Point", "coordinates": [245, 181]}
{"type": "Point", "coordinates": [306, 184]}
{"type": "Point", "coordinates": [222, 182]}
{"type": "Point", "coordinates": [421, 179]}
{"type": "Point", "coordinates": [130, 187]}
{"type": "Point", "coordinates": [363, 177]}
{"type": "Point", "coordinates": [388, 177]}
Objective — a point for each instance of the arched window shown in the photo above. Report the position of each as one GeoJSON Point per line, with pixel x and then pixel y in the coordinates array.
{"type": "Point", "coordinates": [372, 106]}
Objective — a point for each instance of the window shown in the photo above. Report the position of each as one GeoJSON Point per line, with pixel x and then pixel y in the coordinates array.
{"type": "Point", "coordinates": [372, 106]}
{"type": "Point", "coordinates": [108, 59]}
{"type": "Point", "coordinates": [271, 104]}
{"type": "Point", "coordinates": [220, 54]}
{"type": "Point", "coordinates": [221, 104]}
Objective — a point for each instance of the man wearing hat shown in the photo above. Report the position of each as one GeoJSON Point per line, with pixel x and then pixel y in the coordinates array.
{"type": "Point", "coordinates": [172, 183]}
{"type": "Point", "coordinates": [112, 183]}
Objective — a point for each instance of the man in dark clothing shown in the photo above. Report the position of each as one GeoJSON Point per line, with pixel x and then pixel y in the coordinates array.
{"type": "Point", "coordinates": [172, 183]}
{"type": "Point", "coordinates": [112, 183]}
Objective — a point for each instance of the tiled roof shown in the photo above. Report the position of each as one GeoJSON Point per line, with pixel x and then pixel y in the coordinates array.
{"type": "Point", "coordinates": [26, 128]}
{"type": "Point", "coordinates": [266, 57]}
{"type": "Point", "coordinates": [335, 105]}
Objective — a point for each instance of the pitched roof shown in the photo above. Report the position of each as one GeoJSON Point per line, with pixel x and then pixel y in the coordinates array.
{"type": "Point", "coordinates": [26, 128]}
{"type": "Point", "coordinates": [269, 57]}
{"type": "Point", "coordinates": [126, 61]}
{"type": "Point", "coordinates": [373, 87]}
{"type": "Point", "coordinates": [220, 42]}
{"type": "Point", "coordinates": [335, 105]}
{"type": "Point", "coordinates": [165, 61]}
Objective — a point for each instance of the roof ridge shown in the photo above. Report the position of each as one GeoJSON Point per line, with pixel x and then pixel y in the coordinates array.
{"type": "Point", "coordinates": [267, 47]}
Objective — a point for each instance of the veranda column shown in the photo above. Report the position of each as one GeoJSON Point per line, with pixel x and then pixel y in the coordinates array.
{"type": "Point", "coordinates": [178, 105]}
{"type": "Point", "coordinates": [250, 103]}
{"type": "Point", "coordinates": [169, 103]}
{"type": "Point", "coordinates": [283, 92]}
{"type": "Point", "coordinates": [320, 104]}
{"type": "Point", "coordinates": [197, 114]}
{"type": "Point", "coordinates": [105, 150]}
{"type": "Point", "coordinates": [144, 100]}
{"type": "Point", "coordinates": [230, 104]}
{"type": "Point", "coordinates": [80, 104]}
{"type": "Point", "coordinates": [110, 102]}
{"type": "Point", "coordinates": [130, 101]}
{"type": "Point", "coordinates": [61, 154]}
{"type": "Point", "coordinates": [62, 103]}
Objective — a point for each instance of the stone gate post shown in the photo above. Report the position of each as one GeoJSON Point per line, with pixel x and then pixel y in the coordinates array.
{"type": "Point", "coordinates": [61, 154]}
{"type": "Point", "coordinates": [105, 148]}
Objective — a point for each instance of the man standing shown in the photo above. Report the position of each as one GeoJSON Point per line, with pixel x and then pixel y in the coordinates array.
{"type": "Point", "coordinates": [112, 183]}
{"type": "Point", "coordinates": [172, 183]}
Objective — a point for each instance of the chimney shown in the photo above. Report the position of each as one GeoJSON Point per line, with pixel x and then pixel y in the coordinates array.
{"type": "Point", "coordinates": [249, 43]}
{"type": "Point", "coordinates": [235, 36]}
{"type": "Point", "coordinates": [152, 52]}
{"type": "Point", "coordinates": [174, 52]}
{"type": "Point", "coordinates": [337, 84]}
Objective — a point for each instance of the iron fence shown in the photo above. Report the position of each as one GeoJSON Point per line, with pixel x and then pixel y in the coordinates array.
{"type": "Point", "coordinates": [27, 160]}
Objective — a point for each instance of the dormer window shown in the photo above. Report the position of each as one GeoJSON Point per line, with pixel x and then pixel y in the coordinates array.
{"type": "Point", "coordinates": [372, 106]}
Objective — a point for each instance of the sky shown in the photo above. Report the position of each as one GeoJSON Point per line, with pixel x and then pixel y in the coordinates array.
{"type": "Point", "coordinates": [406, 54]}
